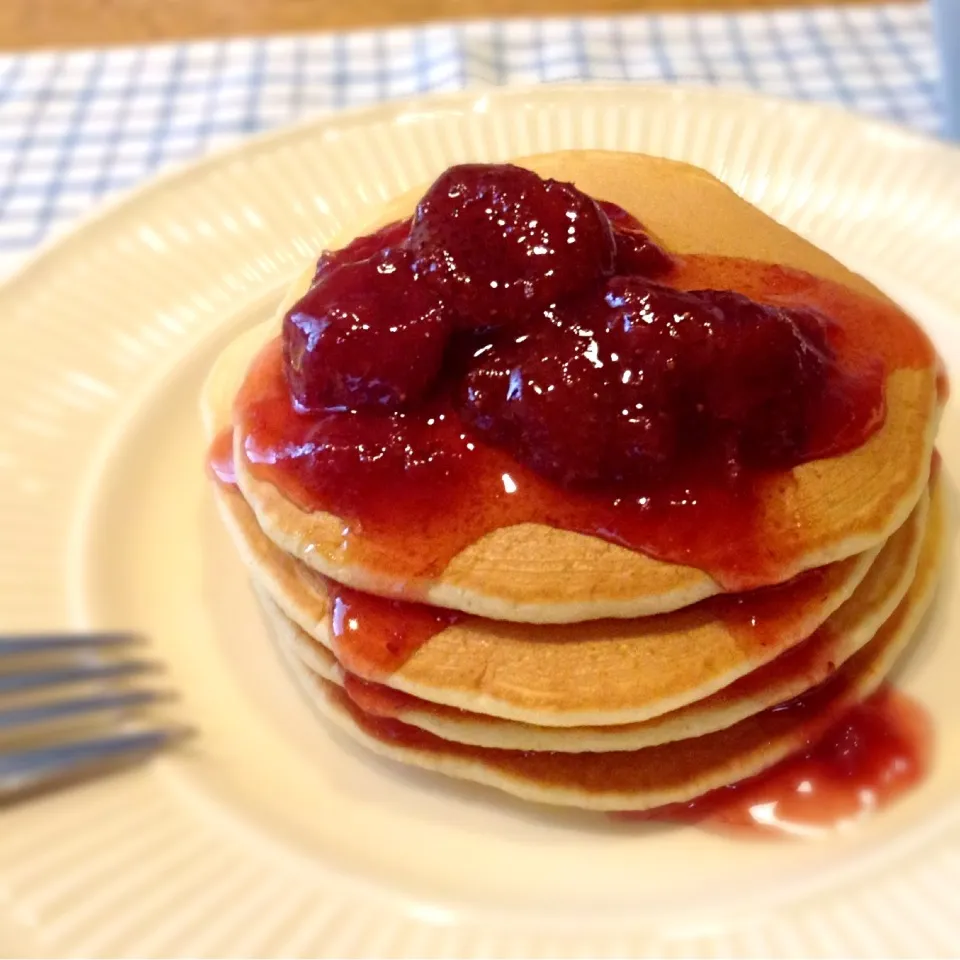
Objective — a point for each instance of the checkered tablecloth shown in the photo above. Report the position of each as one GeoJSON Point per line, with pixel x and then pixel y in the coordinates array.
{"type": "Point", "coordinates": [76, 126]}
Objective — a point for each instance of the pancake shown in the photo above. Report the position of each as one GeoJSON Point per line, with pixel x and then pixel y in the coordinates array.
{"type": "Point", "coordinates": [802, 667]}
{"type": "Point", "coordinates": [655, 776]}
{"type": "Point", "coordinates": [606, 672]}
{"type": "Point", "coordinates": [831, 509]}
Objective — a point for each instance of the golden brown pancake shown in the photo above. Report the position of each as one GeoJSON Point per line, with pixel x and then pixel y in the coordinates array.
{"type": "Point", "coordinates": [800, 668]}
{"type": "Point", "coordinates": [833, 508]}
{"type": "Point", "coordinates": [607, 672]}
{"type": "Point", "coordinates": [655, 776]}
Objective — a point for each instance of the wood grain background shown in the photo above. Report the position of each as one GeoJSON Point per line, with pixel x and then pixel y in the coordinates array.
{"type": "Point", "coordinates": [26, 24]}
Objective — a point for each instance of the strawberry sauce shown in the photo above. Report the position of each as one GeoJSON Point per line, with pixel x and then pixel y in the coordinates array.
{"type": "Point", "coordinates": [518, 353]}
{"type": "Point", "coordinates": [872, 755]}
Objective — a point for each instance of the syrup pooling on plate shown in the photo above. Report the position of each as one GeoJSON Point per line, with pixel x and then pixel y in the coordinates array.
{"type": "Point", "coordinates": [872, 754]}
{"type": "Point", "coordinates": [621, 411]}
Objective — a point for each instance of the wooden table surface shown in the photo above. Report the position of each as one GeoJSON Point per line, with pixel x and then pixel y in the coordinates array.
{"type": "Point", "coordinates": [26, 24]}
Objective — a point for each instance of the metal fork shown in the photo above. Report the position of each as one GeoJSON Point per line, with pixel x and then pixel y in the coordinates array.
{"type": "Point", "coordinates": [72, 706]}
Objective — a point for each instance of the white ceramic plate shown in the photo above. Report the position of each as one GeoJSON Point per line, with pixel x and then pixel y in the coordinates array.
{"type": "Point", "coordinates": [271, 834]}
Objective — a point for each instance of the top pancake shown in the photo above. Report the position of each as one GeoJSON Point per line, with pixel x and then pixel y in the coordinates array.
{"type": "Point", "coordinates": [832, 509]}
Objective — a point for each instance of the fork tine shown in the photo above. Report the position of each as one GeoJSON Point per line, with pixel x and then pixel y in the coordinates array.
{"type": "Point", "coordinates": [79, 673]}
{"type": "Point", "coordinates": [27, 771]}
{"type": "Point", "coordinates": [17, 717]}
{"type": "Point", "coordinates": [51, 642]}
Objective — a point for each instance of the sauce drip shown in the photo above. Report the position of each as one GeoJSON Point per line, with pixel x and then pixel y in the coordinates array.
{"type": "Point", "coordinates": [373, 635]}
{"type": "Point", "coordinates": [871, 756]}
{"type": "Point", "coordinates": [220, 463]}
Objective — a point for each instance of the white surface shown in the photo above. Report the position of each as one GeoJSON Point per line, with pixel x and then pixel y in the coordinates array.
{"type": "Point", "coordinates": [272, 835]}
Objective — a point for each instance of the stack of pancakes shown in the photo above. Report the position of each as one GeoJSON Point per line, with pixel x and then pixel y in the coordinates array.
{"type": "Point", "coordinates": [582, 673]}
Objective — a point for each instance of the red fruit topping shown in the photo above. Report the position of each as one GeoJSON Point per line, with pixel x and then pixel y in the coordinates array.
{"type": "Point", "coordinates": [763, 371]}
{"type": "Point", "coordinates": [554, 401]}
{"type": "Point", "coordinates": [499, 243]}
{"type": "Point", "coordinates": [632, 380]}
{"type": "Point", "coordinates": [435, 369]}
{"type": "Point", "coordinates": [366, 334]}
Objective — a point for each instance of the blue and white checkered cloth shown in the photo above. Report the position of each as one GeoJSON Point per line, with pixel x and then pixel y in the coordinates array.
{"type": "Point", "coordinates": [76, 126]}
